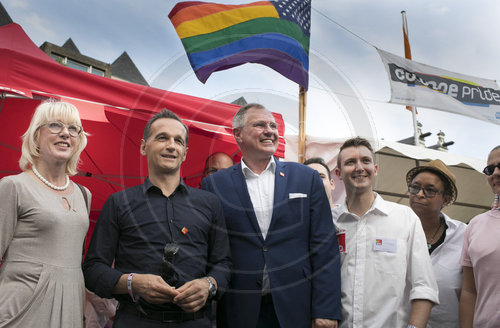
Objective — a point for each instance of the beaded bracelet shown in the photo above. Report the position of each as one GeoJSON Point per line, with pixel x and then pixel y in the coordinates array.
{"type": "Point", "coordinates": [129, 287]}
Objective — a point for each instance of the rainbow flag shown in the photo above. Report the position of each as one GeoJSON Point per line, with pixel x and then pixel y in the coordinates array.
{"type": "Point", "coordinates": [273, 33]}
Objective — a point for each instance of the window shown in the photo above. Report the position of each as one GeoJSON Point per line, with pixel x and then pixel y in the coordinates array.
{"type": "Point", "coordinates": [96, 71]}
{"type": "Point", "coordinates": [58, 58]}
{"type": "Point", "coordinates": [76, 65]}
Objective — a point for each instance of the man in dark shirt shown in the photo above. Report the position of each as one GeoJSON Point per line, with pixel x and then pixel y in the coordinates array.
{"type": "Point", "coordinates": [168, 241]}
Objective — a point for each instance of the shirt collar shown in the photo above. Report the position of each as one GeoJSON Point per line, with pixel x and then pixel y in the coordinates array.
{"type": "Point", "coordinates": [379, 205]}
{"type": "Point", "coordinates": [452, 224]}
{"type": "Point", "coordinates": [248, 173]}
{"type": "Point", "coordinates": [148, 186]}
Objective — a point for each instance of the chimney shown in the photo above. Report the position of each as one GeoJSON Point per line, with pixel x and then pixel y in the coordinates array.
{"type": "Point", "coordinates": [442, 145]}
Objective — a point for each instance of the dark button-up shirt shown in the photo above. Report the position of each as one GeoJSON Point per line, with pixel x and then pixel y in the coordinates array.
{"type": "Point", "coordinates": [135, 225]}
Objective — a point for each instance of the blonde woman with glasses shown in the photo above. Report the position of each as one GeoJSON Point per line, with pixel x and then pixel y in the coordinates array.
{"type": "Point", "coordinates": [43, 220]}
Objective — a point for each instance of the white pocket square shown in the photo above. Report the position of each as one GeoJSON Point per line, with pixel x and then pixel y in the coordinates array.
{"type": "Point", "coordinates": [294, 195]}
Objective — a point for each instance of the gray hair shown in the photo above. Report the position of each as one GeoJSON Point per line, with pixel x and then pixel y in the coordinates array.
{"type": "Point", "coordinates": [239, 119]}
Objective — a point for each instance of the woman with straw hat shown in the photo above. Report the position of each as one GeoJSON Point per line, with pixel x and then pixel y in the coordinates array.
{"type": "Point", "coordinates": [431, 187]}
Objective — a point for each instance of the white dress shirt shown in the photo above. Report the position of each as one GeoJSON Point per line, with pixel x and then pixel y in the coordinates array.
{"type": "Point", "coordinates": [448, 271]}
{"type": "Point", "coordinates": [261, 190]}
{"type": "Point", "coordinates": [385, 265]}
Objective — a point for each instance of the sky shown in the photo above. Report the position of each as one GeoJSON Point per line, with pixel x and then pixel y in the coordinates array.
{"type": "Point", "coordinates": [459, 36]}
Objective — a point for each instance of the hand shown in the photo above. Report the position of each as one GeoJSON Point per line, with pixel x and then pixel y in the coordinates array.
{"type": "Point", "coordinates": [192, 295]}
{"type": "Point", "coordinates": [325, 323]}
{"type": "Point", "coordinates": [153, 289]}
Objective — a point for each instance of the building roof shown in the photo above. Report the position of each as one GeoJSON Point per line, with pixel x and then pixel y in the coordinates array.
{"type": "Point", "coordinates": [71, 51]}
{"type": "Point", "coordinates": [4, 16]}
{"type": "Point", "coordinates": [241, 101]}
{"type": "Point", "coordinates": [70, 45]}
{"type": "Point", "coordinates": [124, 68]}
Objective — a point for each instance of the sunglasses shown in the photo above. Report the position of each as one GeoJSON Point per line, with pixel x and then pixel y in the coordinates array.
{"type": "Point", "coordinates": [488, 170]}
{"type": "Point", "coordinates": [167, 268]}
{"type": "Point", "coordinates": [428, 192]}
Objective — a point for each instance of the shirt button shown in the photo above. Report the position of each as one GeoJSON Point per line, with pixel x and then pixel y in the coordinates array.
{"type": "Point", "coordinates": [264, 249]}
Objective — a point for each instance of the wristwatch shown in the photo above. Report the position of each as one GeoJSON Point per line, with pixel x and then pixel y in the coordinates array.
{"type": "Point", "coordinates": [211, 288]}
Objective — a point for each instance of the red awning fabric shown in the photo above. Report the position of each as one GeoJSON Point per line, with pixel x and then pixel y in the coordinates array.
{"type": "Point", "coordinates": [113, 112]}
{"type": "Point", "coordinates": [27, 71]}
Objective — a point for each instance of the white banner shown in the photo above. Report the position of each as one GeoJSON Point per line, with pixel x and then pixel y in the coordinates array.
{"type": "Point", "coordinates": [420, 85]}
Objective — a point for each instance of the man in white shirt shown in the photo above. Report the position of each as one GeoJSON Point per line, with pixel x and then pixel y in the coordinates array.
{"type": "Point", "coordinates": [386, 273]}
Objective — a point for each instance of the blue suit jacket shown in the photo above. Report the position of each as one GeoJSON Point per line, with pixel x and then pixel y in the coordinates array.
{"type": "Point", "coordinates": [300, 250]}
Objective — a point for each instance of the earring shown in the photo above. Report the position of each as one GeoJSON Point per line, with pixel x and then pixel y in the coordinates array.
{"type": "Point", "coordinates": [496, 202]}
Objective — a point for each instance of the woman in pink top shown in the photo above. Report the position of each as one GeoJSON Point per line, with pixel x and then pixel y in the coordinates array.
{"type": "Point", "coordinates": [480, 298]}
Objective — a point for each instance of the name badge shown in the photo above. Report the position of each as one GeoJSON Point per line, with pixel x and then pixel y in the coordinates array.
{"type": "Point", "coordinates": [385, 245]}
{"type": "Point", "coordinates": [341, 241]}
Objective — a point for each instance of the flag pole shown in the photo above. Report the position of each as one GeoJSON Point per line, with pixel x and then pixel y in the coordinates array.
{"type": "Point", "coordinates": [406, 41]}
{"type": "Point", "coordinates": [302, 124]}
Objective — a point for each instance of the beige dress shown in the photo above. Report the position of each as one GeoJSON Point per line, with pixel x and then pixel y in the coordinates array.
{"type": "Point", "coordinates": [41, 281]}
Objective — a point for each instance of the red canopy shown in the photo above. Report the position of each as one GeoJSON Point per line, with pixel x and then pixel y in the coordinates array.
{"type": "Point", "coordinates": [113, 112]}
{"type": "Point", "coordinates": [27, 71]}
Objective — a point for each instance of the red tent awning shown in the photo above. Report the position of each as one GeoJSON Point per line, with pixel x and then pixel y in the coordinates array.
{"type": "Point", "coordinates": [113, 112]}
{"type": "Point", "coordinates": [27, 71]}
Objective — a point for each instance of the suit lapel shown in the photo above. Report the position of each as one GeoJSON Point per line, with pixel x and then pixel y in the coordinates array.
{"type": "Point", "coordinates": [239, 180]}
{"type": "Point", "coordinates": [280, 195]}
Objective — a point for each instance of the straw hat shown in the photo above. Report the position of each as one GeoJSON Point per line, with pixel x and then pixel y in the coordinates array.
{"type": "Point", "coordinates": [439, 168]}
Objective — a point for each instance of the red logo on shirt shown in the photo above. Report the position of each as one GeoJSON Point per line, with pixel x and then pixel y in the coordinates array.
{"type": "Point", "coordinates": [341, 241]}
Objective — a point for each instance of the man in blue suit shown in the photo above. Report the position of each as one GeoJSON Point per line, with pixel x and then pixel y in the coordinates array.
{"type": "Point", "coordinates": [286, 269]}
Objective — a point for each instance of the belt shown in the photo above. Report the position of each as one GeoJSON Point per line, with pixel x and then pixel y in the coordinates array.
{"type": "Point", "coordinates": [162, 316]}
{"type": "Point", "coordinates": [266, 299]}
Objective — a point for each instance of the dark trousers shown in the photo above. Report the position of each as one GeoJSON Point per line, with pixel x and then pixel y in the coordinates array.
{"type": "Point", "coordinates": [128, 320]}
{"type": "Point", "coordinates": [267, 314]}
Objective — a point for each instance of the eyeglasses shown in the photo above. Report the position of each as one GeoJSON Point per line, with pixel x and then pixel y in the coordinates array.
{"type": "Point", "coordinates": [56, 127]}
{"type": "Point", "coordinates": [263, 125]}
{"type": "Point", "coordinates": [488, 170]}
{"type": "Point", "coordinates": [428, 192]}
{"type": "Point", "coordinates": [167, 268]}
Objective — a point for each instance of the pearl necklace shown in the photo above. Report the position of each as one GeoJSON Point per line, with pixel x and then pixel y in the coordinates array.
{"type": "Point", "coordinates": [39, 176]}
